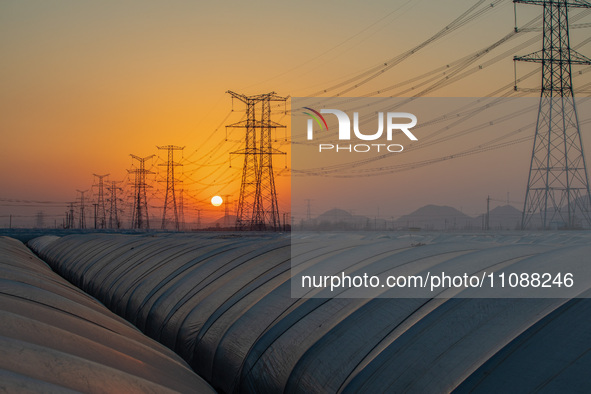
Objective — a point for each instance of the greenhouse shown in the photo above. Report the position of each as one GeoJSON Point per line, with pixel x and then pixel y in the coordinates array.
{"type": "Point", "coordinates": [56, 339]}
{"type": "Point", "coordinates": [223, 303]}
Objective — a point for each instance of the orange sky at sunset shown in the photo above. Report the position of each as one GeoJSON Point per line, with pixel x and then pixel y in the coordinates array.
{"type": "Point", "coordinates": [86, 84]}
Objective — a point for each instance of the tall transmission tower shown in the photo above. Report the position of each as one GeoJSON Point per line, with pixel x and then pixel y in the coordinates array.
{"type": "Point", "coordinates": [257, 203]}
{"type": "Point", "coordinates": [170, 195]}
{"type": "Point", "coordinates": [114, 222]}
{"type": "Point", "coordinates": [558, 184]}
{"type": "Point", "coordinates": [139, 216]}
{"type": "Point", "coordinates": [268, 207]}
{"type": "Point", "coordinates": [81, 216]}
{"type": "Point", "coordinates": [101, 212]}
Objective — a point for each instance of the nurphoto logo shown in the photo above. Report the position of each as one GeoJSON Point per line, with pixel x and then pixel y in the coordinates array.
{"type": "Point", "coordinates": [395, 122]}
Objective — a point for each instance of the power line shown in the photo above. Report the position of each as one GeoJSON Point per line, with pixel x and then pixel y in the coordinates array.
{"type": "Point", "coordinates": [361, 79]}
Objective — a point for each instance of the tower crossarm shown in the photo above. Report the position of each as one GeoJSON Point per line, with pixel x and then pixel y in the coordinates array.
{"type": "Point", "coordinates": [256, 124]}
{"type": "Point", "coordinates": [142, 159]}
{"type": "Point", "coordinates": [564, 56]}
{"type": "Point", "coordinates": [271, 96]}
{"type": "Point", "coordinates": [174, 147]}
{"type": "Point", "coordinates": [568, 3]}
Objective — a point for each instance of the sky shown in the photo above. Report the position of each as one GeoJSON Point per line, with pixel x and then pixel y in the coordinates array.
{"type": "Point", "coordinates": [86, 84]}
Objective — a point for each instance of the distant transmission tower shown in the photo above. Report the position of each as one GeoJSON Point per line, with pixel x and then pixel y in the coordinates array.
{"type": "Point", "coordinates": [70, 216]}
{"type": "Point", "coordinates": [170, 195]}
{"type": "Point", "coordinates": [81, 216]}
{"type": "Point", "coordinates": [227, 210]}
{"type": "Point", "coordinates": [101, 212]}
{"type": "Point", "coordinates": [139, 215]}
{"type": "Point", "coordinates": [257, 203]}
{"type": "Point", "coordinates": [558, 184]}
{"type": "Point", "coordinates": [40, 219]}
{"type": "Point", "coordinates": [182, 210]}
{"type": "Point", "coordinates": [114, 222]}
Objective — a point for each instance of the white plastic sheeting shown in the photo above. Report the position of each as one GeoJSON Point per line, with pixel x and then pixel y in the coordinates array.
{"type": "Point", "coordinates": [54, 338]}
{"type": "Point", "coordinates": [223, 303]}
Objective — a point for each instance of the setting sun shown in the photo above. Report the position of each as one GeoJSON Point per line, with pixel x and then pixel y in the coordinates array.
{"type": "Point", "coordinates": [216, 201]}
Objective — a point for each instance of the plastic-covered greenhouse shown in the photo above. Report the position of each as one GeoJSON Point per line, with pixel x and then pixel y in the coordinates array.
{"type": "Point", "coordinates": [54, 338]}
{"type": "Point", "coordinates": [223, 303]}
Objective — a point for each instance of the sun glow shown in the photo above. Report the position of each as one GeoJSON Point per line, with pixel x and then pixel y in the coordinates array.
{"type": "Point", "coordinates": [216, 201]}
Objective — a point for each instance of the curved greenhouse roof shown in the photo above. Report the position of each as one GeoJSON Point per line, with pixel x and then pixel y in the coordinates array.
{"type": "Point", "coordinates": [54, 338]}
{"type": "Point", "coordinates": [223, 302]}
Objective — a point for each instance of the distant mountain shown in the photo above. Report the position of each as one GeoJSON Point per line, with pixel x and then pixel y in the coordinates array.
{"type": "Point", "coordinates": [341, 220]}
{"type": "Point", "coordinates": [338, 219]}
{"type": "Point", "coordinates": [436, 217]}
{"type": "Point", "coordinates": [228, 221]}
{"type": "Point", "coordinates": [335, 215]}
{"type": "Point", "coordinates": [504, 217]}
{"type": "Point", "coordinates": [429, 217]}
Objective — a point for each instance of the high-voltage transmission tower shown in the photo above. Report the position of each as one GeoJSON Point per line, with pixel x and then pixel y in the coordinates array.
{"type": "Point", "coordinates": [558, 186]}
{"type": "Point", "coordinates": [70, 216]}
{"type": "Point", "coordinates": [101, 212]}
{"type": "Point", "coordinates": [170, 195]}
{"type": "Point", "coordinates": [181, 208]}
{"type": "Point", "coordinates": [114, 222]}
{"type": "Point", "coordinates": [81, 216]}
{"type": "Point", "coordinates": [227, 210]}
{"type": "Point", "coordinates": [139, 216]}
{"type": "Point", "coordinates": [257, 203]}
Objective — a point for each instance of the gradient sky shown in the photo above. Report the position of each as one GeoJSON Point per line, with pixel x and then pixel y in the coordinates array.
{"type": "Point", "coordinates": [85, 84]}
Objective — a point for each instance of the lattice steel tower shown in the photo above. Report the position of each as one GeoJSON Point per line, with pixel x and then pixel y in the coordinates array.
{"type": "Point", "coordinates": [101, 212]}
{"type": "Point", "coordinates": [257, 203]}
{"type": "Point", "coordinates": [114, 222]}
{"type": "Point", "coordinates": [70, 216]}
{"type": "Point", "coordinates": [182, 210]}
{"type": "Point", "coordinates": [139, 216]}
{"type": "Point", "coordinates": [170, 196]}
{"type": "Point", "coordinates": [558, 186]}
{"type": "Point", "coordinates": [81, 215]}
